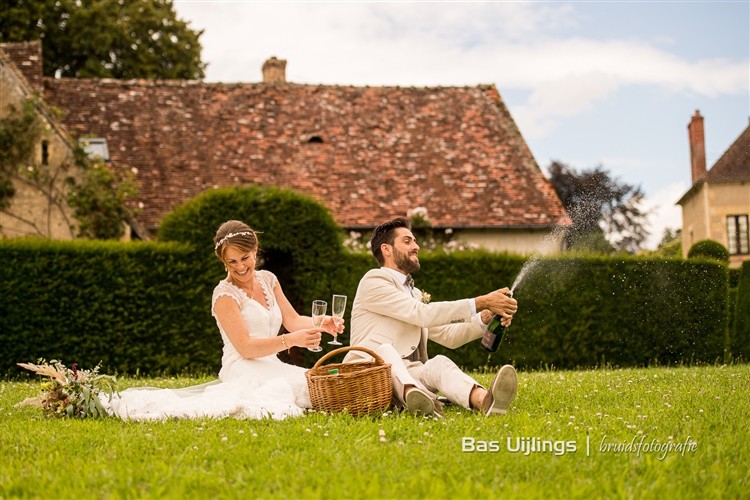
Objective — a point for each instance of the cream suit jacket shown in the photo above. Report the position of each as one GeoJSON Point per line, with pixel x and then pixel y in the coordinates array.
{"type": "Point", "coordinates": [384, 313]}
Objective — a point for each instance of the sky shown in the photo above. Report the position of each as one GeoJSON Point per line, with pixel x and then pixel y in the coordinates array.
{"type": "Point", "coordinates": [589, 84]}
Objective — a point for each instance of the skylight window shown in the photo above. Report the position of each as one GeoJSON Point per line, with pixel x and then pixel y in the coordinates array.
{"type": "Point", "coordinates": [95, 146]}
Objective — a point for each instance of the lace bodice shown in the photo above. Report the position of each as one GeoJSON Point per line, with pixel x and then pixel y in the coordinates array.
{"type": "Point", "coordinates": [260, 321]}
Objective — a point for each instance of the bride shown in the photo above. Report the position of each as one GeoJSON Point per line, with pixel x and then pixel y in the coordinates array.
{"type": "Point", "coordinates": [249, 307]}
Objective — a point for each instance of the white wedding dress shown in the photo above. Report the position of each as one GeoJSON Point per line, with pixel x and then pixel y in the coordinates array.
{"type": "Point", "coordinates": [247, 388]}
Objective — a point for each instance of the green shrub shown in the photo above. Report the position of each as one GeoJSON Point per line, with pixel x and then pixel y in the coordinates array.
{"type": "Point", "coordinates": [710, 249]}
{"type": "Point", "coordinates": [132, 306]}
{"type": "Point", "coordinates": [741, 333]}
{"type": "Point", "coordinates": [300, 242]}
{"type": "Point", "coordinates": [734, 276]}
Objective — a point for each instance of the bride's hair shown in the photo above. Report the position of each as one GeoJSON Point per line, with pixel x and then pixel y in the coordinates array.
{"type": "Point", "coordinates": [236, 233]}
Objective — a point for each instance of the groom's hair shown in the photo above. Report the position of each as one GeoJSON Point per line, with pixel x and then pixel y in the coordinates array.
{"type": "Point", "coordinates": [386, 233]}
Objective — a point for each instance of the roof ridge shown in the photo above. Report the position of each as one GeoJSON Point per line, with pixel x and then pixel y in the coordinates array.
{"type": "Point", "coordinates": [184, 83]}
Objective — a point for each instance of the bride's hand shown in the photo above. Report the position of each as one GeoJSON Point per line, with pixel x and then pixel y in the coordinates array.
{"type": "Point", "coordinates": [308, 337]}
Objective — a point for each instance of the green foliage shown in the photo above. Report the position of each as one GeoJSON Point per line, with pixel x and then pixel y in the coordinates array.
{"type": "Point", "coordinates": [100, 198]}
{"type": "Point", "coordinates": [628, 312]}
{"type": "Point", "coordinates": [20, 131]}
{"type": "Point", "coordinates": [106, 38]}
{"type": "Point", "coordinates": [145, 307]}
{"type": "Point", "coordinates": [132, 306]}
{"type": "Point", "coordinates": [97, 193]}
{"type": "Point", "coordinates": [300, 242]}
{"type": "Point", "coordinates": [710, 249]}
{"type": "Point", "coordinates": [734, 276]}
{"type": "Point", "coordinates": [592, 242]}
{"type": "Point", "coordinates": [741, 333]}
{"type": "Point", "coordinates": [587, 311]}
{"type": "Point", "coordinates": [595, 203]}
{"type": "Point", "coordinates": [670, 246]}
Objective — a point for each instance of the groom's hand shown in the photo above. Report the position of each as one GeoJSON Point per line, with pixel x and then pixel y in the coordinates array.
{"type": "Point", "coordinates": [499, 302]}
{"type": "Point", "coordinates": [333, 325]}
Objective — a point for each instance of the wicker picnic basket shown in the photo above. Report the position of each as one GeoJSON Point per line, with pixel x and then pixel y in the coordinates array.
{"type": "Point", "coordinates": [360, 388]}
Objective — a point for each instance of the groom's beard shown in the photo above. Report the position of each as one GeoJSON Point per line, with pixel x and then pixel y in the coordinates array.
{"type": "Point", "coordinates": [403, 262]}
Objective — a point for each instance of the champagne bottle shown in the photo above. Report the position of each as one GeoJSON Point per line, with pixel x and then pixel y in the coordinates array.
{"type": "Point", "coordinates": [494, 334]}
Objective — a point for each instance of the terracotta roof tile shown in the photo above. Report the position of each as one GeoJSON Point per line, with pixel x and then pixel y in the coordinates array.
{"type": "Point", "coordinates": [27, 56]}
{"type": "Point", "coordinates": [368, 153]}
{"type": "Point", "coordinates": [734, 164]}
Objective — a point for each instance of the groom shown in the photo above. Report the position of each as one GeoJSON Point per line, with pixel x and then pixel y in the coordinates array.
{"type": "Point", "coordinates": [390, 317]}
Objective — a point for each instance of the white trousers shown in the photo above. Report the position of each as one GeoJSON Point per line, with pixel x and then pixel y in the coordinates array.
{"type": "Point", "coordinates": [438, 374]}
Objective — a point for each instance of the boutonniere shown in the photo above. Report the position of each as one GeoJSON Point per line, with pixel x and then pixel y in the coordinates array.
{"type": "Point", "coordinates": [426, 297]}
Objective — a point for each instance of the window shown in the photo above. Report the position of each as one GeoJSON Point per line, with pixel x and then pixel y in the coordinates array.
{"type": "Point", "coordinates": [737, 235]}
{"type": "Point", "coordinates": [45, 152]}
{"type": "Point", "coordinates": [95, 146]}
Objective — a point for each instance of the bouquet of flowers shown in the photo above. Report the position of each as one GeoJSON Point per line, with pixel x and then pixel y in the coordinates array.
{"type": "Point", "coordinates": [70, 392]}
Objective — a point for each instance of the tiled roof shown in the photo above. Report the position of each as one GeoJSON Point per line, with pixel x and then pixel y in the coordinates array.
{"type": "Point", "coordinates": [27, 56]}
{"type": "Point", "coordinates": [368, 153]}
{"type": "Point", "coordinates": [734, 164]}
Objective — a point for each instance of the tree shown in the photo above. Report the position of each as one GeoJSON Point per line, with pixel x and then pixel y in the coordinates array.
{"type": "Point", "coordinates": [669, 247]}
{"type": "Point", "coordinates": [597, 203]}
{"type": "Point", "coordinates": [100, 199]}
{"type": "Point", "coordinates": [106, 38]}
{"type": "Point", "coordinates": [97, 193]}
{"type": "Point", "coordinates": [671, 243]}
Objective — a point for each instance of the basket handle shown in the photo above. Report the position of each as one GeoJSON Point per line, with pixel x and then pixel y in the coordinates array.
{"type": "Point", "coordinates": [333, 353]}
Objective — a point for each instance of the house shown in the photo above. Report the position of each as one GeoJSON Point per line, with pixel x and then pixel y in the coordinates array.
{"type": "Point", "coordinates": [38, 204]}
{"type": "Point", "coordinates": [717, 205]}
{"type": "Point", "coordinates": [367, 153]}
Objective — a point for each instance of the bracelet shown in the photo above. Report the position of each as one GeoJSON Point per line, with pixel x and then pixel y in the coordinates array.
{"type": "Point", "coordinates": [283, 342]}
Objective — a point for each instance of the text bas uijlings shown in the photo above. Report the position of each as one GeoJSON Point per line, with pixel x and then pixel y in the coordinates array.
{"type": "Point", "coordinates": [523, 445]}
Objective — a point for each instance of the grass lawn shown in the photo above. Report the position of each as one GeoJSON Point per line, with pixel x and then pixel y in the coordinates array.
{"type": "Point", "coordinates": [630, 433]}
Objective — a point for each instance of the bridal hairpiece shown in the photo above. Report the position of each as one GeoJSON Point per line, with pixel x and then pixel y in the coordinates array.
{"type": "Point", "coordinates": [231, 235]}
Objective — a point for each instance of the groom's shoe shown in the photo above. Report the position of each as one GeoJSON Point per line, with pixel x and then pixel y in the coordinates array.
{"type": "Point", "coordinates": [501, 392]}
{"type": "Point", "coordinates": [418, 401]}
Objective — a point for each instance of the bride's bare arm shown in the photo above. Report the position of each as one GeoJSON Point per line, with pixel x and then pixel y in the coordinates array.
{"type": "Point", "coordinates": [292, 320]}
{"type": "Point", "coordinates": [229, 316]}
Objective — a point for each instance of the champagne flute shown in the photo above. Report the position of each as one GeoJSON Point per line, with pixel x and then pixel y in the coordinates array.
{"type": "Point", "coordinates": [338, 306]}
{"type": "Point", "coordinates": [318, 316]}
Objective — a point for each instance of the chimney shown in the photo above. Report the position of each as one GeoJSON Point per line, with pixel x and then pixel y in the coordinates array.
{"type": "Point", "coordinates": [274, 70]}
{"type": "Point", "coordinates": [697, 141]}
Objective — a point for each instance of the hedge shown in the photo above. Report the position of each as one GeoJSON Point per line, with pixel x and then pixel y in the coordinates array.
{"type": "Point", "coordinates": [590, 311]}
{"type": "Point", "coordinates": [740, 344]}
{"type": "Point", "coordinates": [134, 307]}
{"type": "Point", "coordinates": [145, 307]}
